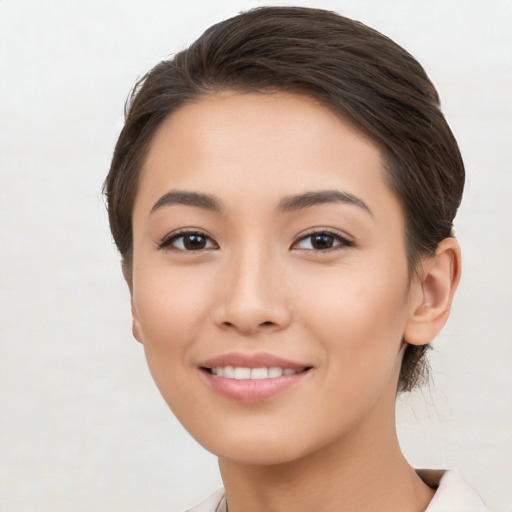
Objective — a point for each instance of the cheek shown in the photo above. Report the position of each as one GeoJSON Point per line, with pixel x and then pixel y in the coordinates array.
{"type": "Point", "coordinates": [359, 319]}
{"type": "Point", "coordinates": [171, 309]}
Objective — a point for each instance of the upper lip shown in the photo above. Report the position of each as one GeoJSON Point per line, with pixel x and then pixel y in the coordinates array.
{"type": "Point", "coordinates": [254, 360]}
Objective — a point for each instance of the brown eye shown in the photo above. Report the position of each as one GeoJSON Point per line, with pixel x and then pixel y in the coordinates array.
{"type": "Point", "coordinates": [322, 241]}
{"type": "Point", "coordinates": [188, 242]}
{"type": "Point", "coordinates": [194, 242]}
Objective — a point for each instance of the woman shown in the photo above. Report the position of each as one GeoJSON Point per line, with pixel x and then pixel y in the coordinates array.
{"type": "Point", "coordinates": [282, 195]}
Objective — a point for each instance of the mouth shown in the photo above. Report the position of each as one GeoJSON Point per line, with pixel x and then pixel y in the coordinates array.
{"type": "Point", "coordinates": [246, 373]}
{"type": "Point", "coordinates": [252, 378]}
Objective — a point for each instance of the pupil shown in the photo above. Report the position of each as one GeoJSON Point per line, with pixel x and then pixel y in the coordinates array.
{"type": "Point", "coordinates": [322, 241]}
{"type": "Point", "coordinates": [194, 242]}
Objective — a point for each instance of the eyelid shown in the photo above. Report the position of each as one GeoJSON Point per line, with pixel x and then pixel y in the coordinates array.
{"type": "Point", "coordinates": [166, 242]}
{"type": "Point", "coordinates": [345, 240]}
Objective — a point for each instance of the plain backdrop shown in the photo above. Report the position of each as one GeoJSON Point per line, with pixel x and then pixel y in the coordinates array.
{"type": "Point", "coordinates": [82, 426]}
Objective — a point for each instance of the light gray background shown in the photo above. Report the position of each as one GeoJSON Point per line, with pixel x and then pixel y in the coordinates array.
{"type": "Point", "coordinates": [82, 426]}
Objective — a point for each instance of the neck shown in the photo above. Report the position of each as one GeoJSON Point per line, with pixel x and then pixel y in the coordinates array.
{"type": "Point", "coordinates": [365, 471]}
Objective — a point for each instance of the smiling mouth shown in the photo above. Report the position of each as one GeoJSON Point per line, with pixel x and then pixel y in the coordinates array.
{"type": "Point", "coordinates": [246, 373]}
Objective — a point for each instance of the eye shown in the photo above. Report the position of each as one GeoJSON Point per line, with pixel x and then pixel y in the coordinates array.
{"type": "Point", "coordinates": [322, 241]}
{"type": "Point", "coordinates": [188, 241]}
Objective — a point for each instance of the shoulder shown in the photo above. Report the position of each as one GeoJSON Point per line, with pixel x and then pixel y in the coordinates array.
{"type": "Point", "coordinates": [215, 503]}
{"type": "Point", "coordinates": [453, 494]}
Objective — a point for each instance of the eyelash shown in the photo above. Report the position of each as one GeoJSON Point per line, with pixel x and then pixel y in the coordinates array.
{"type": "Point", "coordinates": [167, 242]}
{"type": "Point", "coordinates": [343, 241]}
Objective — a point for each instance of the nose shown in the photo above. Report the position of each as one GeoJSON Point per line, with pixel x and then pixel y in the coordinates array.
{"type": "Point", "coordinates": [252, 297]}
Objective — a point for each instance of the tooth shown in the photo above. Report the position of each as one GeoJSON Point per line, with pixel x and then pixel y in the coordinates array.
{"type": "Point", "coordinates": [242, 373]}
{"type": "Point", "coordinates": [275, 372]}
{"type": "Point", "coordinates": [259, 373]}
{"type": "Point", "coordinates": [229, 372]}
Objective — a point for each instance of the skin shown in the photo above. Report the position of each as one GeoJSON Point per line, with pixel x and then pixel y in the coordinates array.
{"type": "Point", "coordinates": [259, 284]}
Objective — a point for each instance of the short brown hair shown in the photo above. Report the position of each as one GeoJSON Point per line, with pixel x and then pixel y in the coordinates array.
{"type": "Point", "coordinates": [353, 70]}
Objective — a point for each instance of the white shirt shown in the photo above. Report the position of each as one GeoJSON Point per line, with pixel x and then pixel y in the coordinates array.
{"type": "Point", "coordinates": [453, 494]}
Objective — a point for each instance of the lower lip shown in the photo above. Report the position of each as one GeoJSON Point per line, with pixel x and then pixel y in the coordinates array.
{"type": "Point", "coordinates": [253, 390]}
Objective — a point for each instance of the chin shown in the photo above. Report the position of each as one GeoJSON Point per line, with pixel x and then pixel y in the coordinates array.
{"type": "Point", "coordinates": [258, 453]}
{"type": "Point", "coordinates": [263, 445]}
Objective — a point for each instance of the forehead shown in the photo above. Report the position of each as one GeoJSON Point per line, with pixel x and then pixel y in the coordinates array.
{"type": "Point", "coordinates": [256, 146]}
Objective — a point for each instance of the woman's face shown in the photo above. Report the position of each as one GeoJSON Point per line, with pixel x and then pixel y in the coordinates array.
{"type": "Point", "coordinates": [270, 284]}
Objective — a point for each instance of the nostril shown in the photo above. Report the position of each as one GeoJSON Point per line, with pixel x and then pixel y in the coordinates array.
{"type": "Point", "coordinates": [248, 319]}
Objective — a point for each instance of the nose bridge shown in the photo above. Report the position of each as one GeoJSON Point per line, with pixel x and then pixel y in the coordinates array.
{"type": "Point", "coordinates": [252, 297]}
{"type": "Point", "coordinates": [252, 273]}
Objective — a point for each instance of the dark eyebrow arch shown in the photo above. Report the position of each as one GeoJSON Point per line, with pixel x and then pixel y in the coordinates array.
{"type": "Point", "coordinates": [196, 199]}
{"type": "Point", "coordinates": [308, 199]}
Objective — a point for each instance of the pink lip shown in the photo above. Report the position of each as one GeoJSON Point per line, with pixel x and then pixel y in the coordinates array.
{"type": "Point", "coordinates": [256, 360]}
{"type": "Point", "coordinates": [257, 390]}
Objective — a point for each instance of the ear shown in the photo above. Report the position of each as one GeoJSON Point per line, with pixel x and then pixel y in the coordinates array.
{"type": "Point", "coordinates": [433, 294]}
{"type": "Point", "coordinates": [136, 328]}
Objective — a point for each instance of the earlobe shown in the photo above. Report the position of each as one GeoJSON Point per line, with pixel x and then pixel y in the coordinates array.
{"type": "Point", "coordinates": [439, 280]}
{"type": "Point", "coordinates": [136, 329]}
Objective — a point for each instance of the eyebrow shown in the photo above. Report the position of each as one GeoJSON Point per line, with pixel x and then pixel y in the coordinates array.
{"type": "Point", "coordinates": [286, 205]}
{"type": "Point", "coordinates": [308, 199]}
{"type": "Point", "coordinates": [205, 201]}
